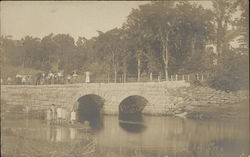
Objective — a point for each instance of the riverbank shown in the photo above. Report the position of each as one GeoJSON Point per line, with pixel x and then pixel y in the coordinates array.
{"type": "Point", "coordinates": [238, 111]}
{"type": "Point", "coordinates": [204, 103]}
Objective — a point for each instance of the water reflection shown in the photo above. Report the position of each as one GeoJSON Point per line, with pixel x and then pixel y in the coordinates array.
{"type": "Point", "coordinates": [95, 121]}
{"type": "Point", "coordinates": [89, 110]}
{"type": "Point", "coordinates": [72, 133]}
{"type": "Point", "coordinates": [60, 134]}
{"type": "Point", "coordinates": [132, 122]}
{"type": "Point", "coordinates": [151, 136]}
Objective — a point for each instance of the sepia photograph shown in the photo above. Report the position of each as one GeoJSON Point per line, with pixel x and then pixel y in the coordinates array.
{"type": "Point", "coordinates": [163, 78]}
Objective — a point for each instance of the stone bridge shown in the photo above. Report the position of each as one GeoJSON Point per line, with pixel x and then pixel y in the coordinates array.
{"type": "Point", "coordinates": [156, 96]}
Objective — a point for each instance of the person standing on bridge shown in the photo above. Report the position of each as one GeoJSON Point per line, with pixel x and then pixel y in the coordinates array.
{"type": "Point", "coordinates": [68, 79]}
{"type": "Point", "coordinates": [87, 80]}
{"type": "Point", "coordinates": [60, 77]}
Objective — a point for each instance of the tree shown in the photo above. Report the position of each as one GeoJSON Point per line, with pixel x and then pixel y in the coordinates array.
{"type": "Point", "coordinates": [223, 11]}
{"type": "Point", "coordinates": [109, 46]}
{"type": "Point", "coordinates": [10, 51]}
{"type": "Point", "coordinates": [231, 73]}
{"type": "Point", "coordinates": [172, 31]}
{"type": "Point", "coordinates": [243, 23]}
{"type": "Point", "coordinates": [29, 51]}
{"type": "Point", "coordinates": [65, 52]}
{"type": "Point", "coordinates": [193, 29]}
{"type": "Point", "coordinates": [47, 54]}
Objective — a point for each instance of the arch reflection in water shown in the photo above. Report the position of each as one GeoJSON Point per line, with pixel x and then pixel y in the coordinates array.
{"type": "Point", "coordinates": [90, 109]}
{"type": "Point", "coordinates": [132, 122]}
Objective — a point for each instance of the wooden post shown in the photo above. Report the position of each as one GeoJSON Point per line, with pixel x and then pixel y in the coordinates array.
{"type": "Point", "coordinates": [171, 77]}
{"type": "Point", "coordinates": [188, 78]}
{"type": "Point", "coordinates": [108, 77]}
{"type": "Point", "coordinates": [115, 77]}
{"type": "Point", "coordinates": [176, 77]}
{"type": "Point", "coordinates": [197, 76]}
{"type": "Point", "coordinates": [202, 77]}
{"type": "Point", "coordinates": [125, 77]}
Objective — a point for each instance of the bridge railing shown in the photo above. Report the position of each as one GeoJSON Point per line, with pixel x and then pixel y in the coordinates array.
{"type": "Point", "coordinates": [120, 78]}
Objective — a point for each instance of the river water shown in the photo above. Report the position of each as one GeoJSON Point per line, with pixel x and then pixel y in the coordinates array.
{"type": "Point", "coordinates": [153, 136]}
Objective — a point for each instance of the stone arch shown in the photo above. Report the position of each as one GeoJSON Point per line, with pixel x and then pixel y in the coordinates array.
{"type": "Point", "coordinates": [133, 104]}
{"type": "Point", "coordinates": [130, 113]}
{"type": "Point", "coordinates": [89, 107]}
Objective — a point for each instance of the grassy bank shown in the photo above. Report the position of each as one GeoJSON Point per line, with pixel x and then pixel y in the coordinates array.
{"type": "Point", "coordinates": [220, 112]}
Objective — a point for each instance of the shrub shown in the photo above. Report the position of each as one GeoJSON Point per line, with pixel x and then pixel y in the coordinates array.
{"type": "Point", "coordinates": [231, 73]}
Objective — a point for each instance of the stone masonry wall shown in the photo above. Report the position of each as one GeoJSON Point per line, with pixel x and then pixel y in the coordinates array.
{"type": "Point", "coordinates": [193, 97]}
{"type": "Point", "coordinates": [41, 97]}
{"type": "Point", "coordinates": [162, 97]}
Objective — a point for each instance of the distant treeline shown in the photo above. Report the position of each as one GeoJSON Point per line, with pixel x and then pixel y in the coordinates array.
{"type": "Point", "coordinates": [166, 37]}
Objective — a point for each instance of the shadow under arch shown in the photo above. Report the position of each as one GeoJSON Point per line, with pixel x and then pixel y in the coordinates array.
{"type": "Point", "coordinates": [90, 109]}
{"type": "Point", "coordinates": [130, 113]}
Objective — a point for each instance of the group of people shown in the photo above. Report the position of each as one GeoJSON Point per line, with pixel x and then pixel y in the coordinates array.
{"type": "Point", "coordinates": [56, 78]}
{"type": "Point", "coordinates": [46, 78]}
{"type": "Point", "coordinates": [59, 115]}
{"type": "Point", "coordinates": [19, 79]}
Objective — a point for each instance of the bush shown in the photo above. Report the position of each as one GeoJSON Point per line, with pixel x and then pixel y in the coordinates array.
{"type": "Point", "coordinates": [231, 73]}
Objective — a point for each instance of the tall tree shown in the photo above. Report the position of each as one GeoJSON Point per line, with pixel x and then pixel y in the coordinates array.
{"type": "Point", "coordinates": [29, 50]}
{"type": "Point", "coordinates": [109, 45]}
{"type": "Point", "coordinates": [47, 54]}
{"type": "Point", "coordinates": [174, 30]}
{"type": "Point", "coordinates": [156, 18]}
{"type": "Point", "coordinates": [223, 11]}
{"type": "Point", "coordinates": [65, 51]}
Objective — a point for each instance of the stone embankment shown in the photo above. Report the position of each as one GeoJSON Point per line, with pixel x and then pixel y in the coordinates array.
{"type": "Point", "coordinates": [207, 103]}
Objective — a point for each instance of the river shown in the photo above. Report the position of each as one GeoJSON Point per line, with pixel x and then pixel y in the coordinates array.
{"type": "Point", "coordinates": [149, 135]}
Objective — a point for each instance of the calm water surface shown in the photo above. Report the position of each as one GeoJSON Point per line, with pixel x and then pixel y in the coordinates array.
{"type": "Point", "coordinates": [167, 135]}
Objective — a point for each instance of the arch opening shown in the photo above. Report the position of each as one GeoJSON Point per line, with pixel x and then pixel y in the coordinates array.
{"type": "Point", "coordinates": [130, 113]}
{"type": "Point", "coordinates": [90, 109]}
{"type": "Point", "coordinates": [132, 104]}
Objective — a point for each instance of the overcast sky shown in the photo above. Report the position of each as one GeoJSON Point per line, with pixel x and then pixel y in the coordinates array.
{"type": "Point", "coordinates": [84, 18]}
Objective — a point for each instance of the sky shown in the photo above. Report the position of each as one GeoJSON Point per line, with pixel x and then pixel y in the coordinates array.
{"type": "Point", "coordinates": [75, 18]}
{"type": "Point", "coordinates": [79, 18]}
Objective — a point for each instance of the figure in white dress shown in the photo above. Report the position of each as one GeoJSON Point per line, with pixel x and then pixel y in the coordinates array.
{"type": "Point", "coordinates": [87, 80]}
